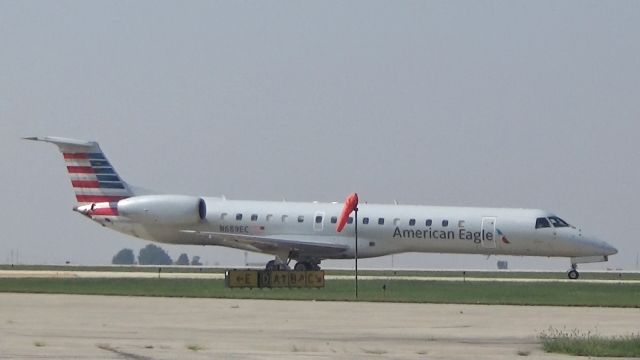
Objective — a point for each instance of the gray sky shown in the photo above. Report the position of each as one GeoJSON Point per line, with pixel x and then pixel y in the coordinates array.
{"type": "Point", "coordinates": [506, 103]}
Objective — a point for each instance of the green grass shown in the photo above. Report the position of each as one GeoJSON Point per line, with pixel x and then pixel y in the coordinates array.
{"type": "Point", "coordinates": [579, 343]}
{"type": "Point", "coordinates": [455, 292]}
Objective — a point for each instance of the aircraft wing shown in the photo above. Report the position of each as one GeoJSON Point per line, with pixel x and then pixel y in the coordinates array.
{"type": "Point", "coordinates": [273, 244]}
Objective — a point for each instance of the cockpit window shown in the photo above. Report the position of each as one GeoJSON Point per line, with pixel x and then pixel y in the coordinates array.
{"type": "Point", "coordinates": [542, 223]}
{"type": "Point", "coordinates": [557, 222]}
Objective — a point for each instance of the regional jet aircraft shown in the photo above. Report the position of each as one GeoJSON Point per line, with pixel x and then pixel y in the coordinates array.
{"type": "Point", "coordinates": [311, 232]}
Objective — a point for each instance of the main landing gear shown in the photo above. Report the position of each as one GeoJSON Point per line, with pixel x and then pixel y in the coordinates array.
{"type": "Point", "coordinates": [573, 274]}
{"type": "Point", "coordinates": [306, 266]}
{"type": "Point", "coordinates": [302, 264]}
{"type": "Point", "coordinates": [276, 265]}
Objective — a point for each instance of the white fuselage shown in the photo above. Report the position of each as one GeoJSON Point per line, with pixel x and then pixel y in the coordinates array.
{"type": "Point", "coordinates": [382, 230]}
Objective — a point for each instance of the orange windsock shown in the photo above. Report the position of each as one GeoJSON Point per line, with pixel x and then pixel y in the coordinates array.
{"type": "Point", "coordinates": [350, 204]}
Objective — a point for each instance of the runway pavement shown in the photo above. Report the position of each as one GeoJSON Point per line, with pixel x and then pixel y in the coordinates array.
{"type": "Point", "coordinates": [36, 326]}
{"type": "Point", "coordinates": [220, 276]}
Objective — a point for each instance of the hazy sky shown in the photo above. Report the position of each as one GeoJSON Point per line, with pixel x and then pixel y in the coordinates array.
{"type": "Point", "coordinates": [487, 103]}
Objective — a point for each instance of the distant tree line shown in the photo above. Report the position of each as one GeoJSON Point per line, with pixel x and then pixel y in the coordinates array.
{"type": "Point", "coordinates": [152, 255]}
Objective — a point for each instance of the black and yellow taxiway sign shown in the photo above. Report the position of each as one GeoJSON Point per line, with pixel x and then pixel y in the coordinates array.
{"type": "Point", "coordinates": [241, 279]}
{"type": "Point", "coordinates": [274, 279]}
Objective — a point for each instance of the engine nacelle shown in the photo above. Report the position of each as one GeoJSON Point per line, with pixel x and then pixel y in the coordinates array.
{"type": "Point", "coordinates": [163, 209]}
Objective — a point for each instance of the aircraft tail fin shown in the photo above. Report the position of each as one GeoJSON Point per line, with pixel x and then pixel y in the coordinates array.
{"type": "Point", "coordinates": [92, 176]}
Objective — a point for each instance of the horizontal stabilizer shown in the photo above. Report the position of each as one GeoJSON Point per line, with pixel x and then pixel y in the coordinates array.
{"type": "Point", "coordinates": [63, 142]}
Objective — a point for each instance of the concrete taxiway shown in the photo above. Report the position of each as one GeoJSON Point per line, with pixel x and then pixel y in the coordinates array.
{"type": "Point", "coordinates": [60, 274]}
{"type": "Point", "coordinates": [34, 326]}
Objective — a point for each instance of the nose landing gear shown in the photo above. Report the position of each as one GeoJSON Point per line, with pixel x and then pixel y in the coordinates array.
{"type": "Point", "coordinates": [573, 274]}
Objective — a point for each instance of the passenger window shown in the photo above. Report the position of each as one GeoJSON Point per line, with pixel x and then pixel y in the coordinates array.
{"type": "Point", "coordinates": [334, 219]}
{"type": "Point", "coordinates": [300, 218]}
{"type": "Point", "coordinates": [254, 217]}
{"type": "Point", "coordinates": [350, 220]}
{"type": "Point", "coordinates": [445, 223]}
{"type": "Point", "coordinates": [365, 220]}
{"type": "Point", "coordinates": [284, 218]}
{"type": "Point", "coordinates": [412, 222]}
{"type": "Point", "coordinates": [238, 217]}
{"type": "Point", "coordinates": [318, 219]}
{"type": "Point", "coordinates": [557, 222]}
{"type": "Point", "coordinates": [380, 221]}
{"type": "Point", "coordinates": [542, 223]}
{"type": "Point", "coordinates": [428, 222]}
{"type": "Point", "coordinates": [461, 223]}
{"type": "Point", "coordinates": [223, 216]}
{"type": "Point", "coordinates": [269, 217]}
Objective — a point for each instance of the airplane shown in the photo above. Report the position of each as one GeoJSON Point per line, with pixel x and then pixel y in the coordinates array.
{"type": "Point", "coordinates": [311, 232]}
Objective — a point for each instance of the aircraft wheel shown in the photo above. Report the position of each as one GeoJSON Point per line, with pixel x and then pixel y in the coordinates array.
{"type": "Point", "coordinates": [271, 265]}
{"type": "Point", "coordinates": [573, 274]}
{"type": "Point", "coordinates": [306, 266]}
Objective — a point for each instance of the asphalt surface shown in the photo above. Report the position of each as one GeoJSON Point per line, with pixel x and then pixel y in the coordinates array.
{"type": "Point", "coordinates": [36, 326]}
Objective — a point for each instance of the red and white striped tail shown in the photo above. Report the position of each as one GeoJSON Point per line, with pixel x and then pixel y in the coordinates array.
{"type": "Point", "coordinates": [93, 178]}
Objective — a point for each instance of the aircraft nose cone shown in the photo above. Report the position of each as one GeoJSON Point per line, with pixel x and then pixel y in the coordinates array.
{"type": "Point", "coordinates": [598, 247]}
{"type": "Point", "coordinates": [609, 250]}
{"type": "Point", "coordinates": [604, 247]}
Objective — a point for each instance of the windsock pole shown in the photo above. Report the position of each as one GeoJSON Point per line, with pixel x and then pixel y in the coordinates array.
{"type": "Point", "coordinates": [356, 232]}
{"type": "Point", "coordinates": [350, 205]}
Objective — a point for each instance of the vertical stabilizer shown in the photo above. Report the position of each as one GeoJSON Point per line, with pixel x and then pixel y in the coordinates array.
{"type": "Point", "coordinates": [93, 178]}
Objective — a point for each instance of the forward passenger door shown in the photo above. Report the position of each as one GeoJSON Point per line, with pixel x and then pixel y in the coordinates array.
{"type": "Point", "coordinates": [488, 232]}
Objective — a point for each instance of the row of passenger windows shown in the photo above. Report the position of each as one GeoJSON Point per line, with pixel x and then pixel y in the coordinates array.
{"type": "Point", "coordinates": [334, 219]}
{"type": "Point", "coordinates": [540, 222]}
{"type": "Point", "coordinates": [254, 217]}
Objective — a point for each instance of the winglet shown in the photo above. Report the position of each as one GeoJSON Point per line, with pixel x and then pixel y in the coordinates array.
{"type": "Point", "coordinates": [350, 204]}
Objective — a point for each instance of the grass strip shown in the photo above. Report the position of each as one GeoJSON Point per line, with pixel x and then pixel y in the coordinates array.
{"type": "Point", "coordinates": [491, 293]}
{"type": "Point", "coordinates": [579, 343]}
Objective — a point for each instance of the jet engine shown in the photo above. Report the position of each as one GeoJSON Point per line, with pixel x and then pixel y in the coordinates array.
{"type": "Point", "coordinates": [163, 209]}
